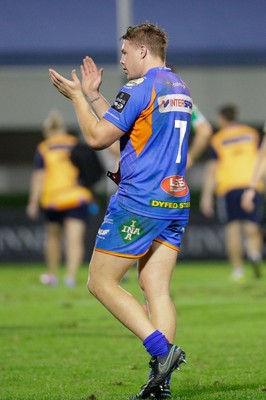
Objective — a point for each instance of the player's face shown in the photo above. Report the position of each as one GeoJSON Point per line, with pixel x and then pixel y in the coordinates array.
{"type": "Point", "coordinates": [131, 60]}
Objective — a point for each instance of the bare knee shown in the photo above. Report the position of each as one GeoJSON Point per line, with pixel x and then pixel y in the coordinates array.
{"type": "Point", "coordinates": [89, 286]}
{"type": "Point", "coordinates": [92, 286]}
{"type": "Point", "coordinates": [97, 286]}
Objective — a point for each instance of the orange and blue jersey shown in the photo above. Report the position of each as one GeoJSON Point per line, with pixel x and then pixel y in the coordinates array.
{"type": "Point", "coordinates": [154, 111]}
{"type": "Point", "coordinates": [61, 189]}
{"type": "Point", "coordinates": [235, 148]}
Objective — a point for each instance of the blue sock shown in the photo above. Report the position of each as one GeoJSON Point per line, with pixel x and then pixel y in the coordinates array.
{"type": "Point", "coordinates": [156, 344]}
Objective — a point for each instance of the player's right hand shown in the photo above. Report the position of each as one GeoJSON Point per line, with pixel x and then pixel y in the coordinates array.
{"type": "Point", "coordinates": [247, 200]}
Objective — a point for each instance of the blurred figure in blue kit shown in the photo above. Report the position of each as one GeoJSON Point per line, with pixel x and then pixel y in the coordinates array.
{"type": "Point", "coordinates": [144, 221]}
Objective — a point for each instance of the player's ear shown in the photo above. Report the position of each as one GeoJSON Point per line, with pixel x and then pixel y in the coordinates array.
{"type": "Point", "coordinates": [143, 51]}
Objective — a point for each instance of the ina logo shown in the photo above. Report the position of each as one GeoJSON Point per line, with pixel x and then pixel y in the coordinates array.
{"type": "Point", "coordinates": [131, 230]}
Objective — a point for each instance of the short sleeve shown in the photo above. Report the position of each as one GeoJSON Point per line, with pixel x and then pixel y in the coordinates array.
{"type": "Point", "coordinates": [129, 103]}
{"type": "Point", "coordinates": [38, 160]}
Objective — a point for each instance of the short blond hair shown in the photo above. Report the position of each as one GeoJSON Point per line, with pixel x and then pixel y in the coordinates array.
{"type": "Point", "coordinates": [150, 35]}
{"type": "Point", "coordinates": [54, 121]}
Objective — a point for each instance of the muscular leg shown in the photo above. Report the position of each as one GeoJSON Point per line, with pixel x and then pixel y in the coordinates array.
{"type": "Point", "coordinates": [155, 272]}
{"type": "Point", "coordinates": [105, 274]}
{"type": "Point", "coordinates": [254, 244]}
{"type": "Point", "coordinates": [234, 245]}
{"type": "Point", "coordinates": [53, 247]}
{"type": "Point", "coordinates": [74, 234]}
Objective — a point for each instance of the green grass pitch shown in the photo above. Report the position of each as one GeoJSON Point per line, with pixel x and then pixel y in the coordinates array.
{"type": "Point", "coordinates": [61, 344]}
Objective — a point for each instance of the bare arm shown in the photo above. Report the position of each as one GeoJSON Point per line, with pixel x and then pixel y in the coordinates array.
{"type": "Point", "coordinates": [36, 187]}
{"type": "Point", "coordinates": [258, 173]}
{"type": "Point", "coordinates": [91, 82]}
{"type": "Point", "coordinates": [115, 150]}
{"type": "Point", "coordinates": [207, 194]}
{"type": "Point", "coordinates": [260, 166]}
{"type": "Point", "coordinates": [203, 132]}
{"type": "Point", "coordinates": [99, 134]}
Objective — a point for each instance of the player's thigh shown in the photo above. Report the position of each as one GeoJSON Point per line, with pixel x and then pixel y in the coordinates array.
{"type": "Point", "coordinates": [156, 269]}
{"type": "Point", "coordinates": [53, 230]}
{"type": "Point", "coordinates": [74, 222]}
{"type": "Point", "coordinates": [251, 228]}
{"type": "Point", "coordinates": [74, 230]}
{"type": "Point", "coordinates": [106, 268]}
{"type": "Point", "coordinates": [233, 230]}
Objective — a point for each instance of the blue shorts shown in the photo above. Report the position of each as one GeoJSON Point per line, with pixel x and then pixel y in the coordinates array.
{"type": "Point", "coordinates": [229, 208]}
{"type": "Point", "coordinates": [80, 212]}
{"type": "Point", "coordinates": [126, 234]}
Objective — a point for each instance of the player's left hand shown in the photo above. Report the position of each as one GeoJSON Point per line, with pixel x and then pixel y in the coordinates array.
{"type": "Point", "coordinates": [69, 88]}
{"type": "Point", "coordinates": [91, 77]}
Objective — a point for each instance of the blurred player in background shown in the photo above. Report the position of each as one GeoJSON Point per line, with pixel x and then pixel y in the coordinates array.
{"type": "Point", "coordinates": [56, 189]}
{"type": "Point", "coordinates": [228, 173]}
{"type": "Point", "coordinates": [146, 217]}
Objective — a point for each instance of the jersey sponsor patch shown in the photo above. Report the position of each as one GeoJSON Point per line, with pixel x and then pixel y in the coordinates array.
{"type": "Point", "coordinates": [170, 204]}
{"type": "Point", "coordinates": [175, 186]}
{"type": "Point", "coordinates": [131, 230]}
{"type": "Point", "coordinates": [121, 101]}
{"type": "Point", "coordinates": [175, 102]}
{"type": "Point", "coordinates": [102, 233]}
{"type": "Point", "coordinates": [134, 82]}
